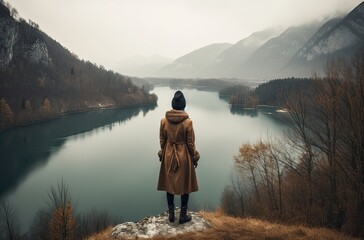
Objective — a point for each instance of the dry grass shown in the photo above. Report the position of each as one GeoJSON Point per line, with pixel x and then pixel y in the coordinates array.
{"type": "Point", "coordinates": [225, 227]}
{"type": "Point", "coordinates": [104, 235]}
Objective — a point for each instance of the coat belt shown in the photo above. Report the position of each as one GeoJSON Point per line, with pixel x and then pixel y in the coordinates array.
{"type": "Point", "coordinates": [177, 164]}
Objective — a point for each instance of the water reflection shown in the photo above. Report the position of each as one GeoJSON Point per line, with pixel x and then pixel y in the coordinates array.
{"type": "Point", "coordinates": [251, 112]}
{"type": "Point", "coordinates": [39, 142]}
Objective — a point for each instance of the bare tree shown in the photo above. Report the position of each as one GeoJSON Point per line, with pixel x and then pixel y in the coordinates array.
{"type": "Point", "coordinates": [62, 224]}
{"type": "Point", "coordinates": [329, 127]}
{"type": "Point", "coordinates": [245, 162]}
{"type": "Point", "coordinates": [39, 229]}
{"type": "Point", "coordinates": [349, 157]}
{"type": "Point", "coordinates": [299, 107]}
{"type": "Point", "coordinates": [229, 201]}
{"type": "Point", "coordinates": [279, 159]}
{"type": "Point", "coordinates": [237, 185]}
{"type": "Point", "coordinates": [9, 223]}
{"type": "Point", "coordinates": [315, 173]}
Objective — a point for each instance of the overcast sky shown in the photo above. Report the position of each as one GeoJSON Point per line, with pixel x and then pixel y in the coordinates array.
{"type": "Point", "coordinates": [108, 31]}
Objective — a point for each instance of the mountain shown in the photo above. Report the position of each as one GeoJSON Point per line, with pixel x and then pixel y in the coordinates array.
{"type": "Point", "coordinates": [230, 61]}
{"type": "Point", "coordinates": [337, 37]}
{"type": "Point", "coordinates": [195, 64]}
{"type": "Point", "coordinates": [141, 66]}
{"type": "Point", "coordinates": [270, 48]}
{"type": "Point", "coordinates": [298, 51]}
{"type": "Point", "coordinates": [40, 79]}
{"type": "Point", "coordinates": [277, 52]}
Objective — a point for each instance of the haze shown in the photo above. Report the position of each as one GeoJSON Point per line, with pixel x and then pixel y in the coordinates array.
{"type": "Point", "coordinates": [108, 31]}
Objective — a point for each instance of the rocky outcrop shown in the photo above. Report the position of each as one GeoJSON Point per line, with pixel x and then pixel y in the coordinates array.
{"type": "Point", "coordinates": [8, 36]}
{"type": "Point", "coordinates": [12, 46]}
{"type": "Point", "coordinates": [37, 53]}
{"type": "Point", "coordinates": [159, 226]}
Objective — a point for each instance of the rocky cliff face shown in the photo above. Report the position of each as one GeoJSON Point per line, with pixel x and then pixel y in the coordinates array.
{"type": "Point", "coordinates": [338, 37]}
{"type": "Point", "coordinates": [347, 33]}
{"type": "Point", "coordinates": [14, 45]}
{"type": "Point", "coordinates": [8, 36]}
{"type": "Point", "coordinates": [37, 53]}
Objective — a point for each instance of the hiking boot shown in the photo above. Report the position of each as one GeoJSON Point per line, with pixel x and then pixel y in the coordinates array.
{"type": "Point", "coordinates": [183, 217]}
{"type": "Point", "coordinates": [171, 213]}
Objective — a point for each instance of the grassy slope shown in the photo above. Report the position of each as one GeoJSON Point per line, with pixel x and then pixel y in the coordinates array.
{"type": "Point", "coordinates": [225, 227]}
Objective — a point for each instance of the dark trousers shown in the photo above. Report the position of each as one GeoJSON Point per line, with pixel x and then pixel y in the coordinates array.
{"type": "Point", "coordinates": [184, 199]}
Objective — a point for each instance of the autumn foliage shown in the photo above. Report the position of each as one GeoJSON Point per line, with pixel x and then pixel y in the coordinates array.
{"type": "Point", "coordinates": [315, 173]}
{"type": "Point", "coordinates": [62, 225]}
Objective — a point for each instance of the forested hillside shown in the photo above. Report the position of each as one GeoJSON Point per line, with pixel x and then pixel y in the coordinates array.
{"type": "Point", "coordinates": [269, 93]}
{"type": "Point", "coordinates": [40, 79]}
{"type": "Point", "coordinates": [273, 92]}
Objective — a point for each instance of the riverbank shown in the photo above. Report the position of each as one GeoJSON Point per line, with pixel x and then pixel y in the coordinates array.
{"type": "Point", "coordinates": [65, 113]}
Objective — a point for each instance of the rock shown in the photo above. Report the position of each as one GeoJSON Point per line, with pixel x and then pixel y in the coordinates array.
{"type": "Point", "coordinates": [159, 226]}
{"type": "Point", "coordinates": [38, 53]}
{"type": "Point", "coordinates": [8, 36]}
{"type": "Point", "coordinates": [12, 45]}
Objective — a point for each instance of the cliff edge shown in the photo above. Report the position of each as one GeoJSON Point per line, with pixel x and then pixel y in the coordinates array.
{"type": "Point", "coordinates": [215, 225]}
{"type": "Point", "coordinates": [159, 225]}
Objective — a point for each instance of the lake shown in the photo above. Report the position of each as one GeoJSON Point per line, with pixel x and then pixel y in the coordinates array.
{"type": "Point", "coordinates": [109, 158]}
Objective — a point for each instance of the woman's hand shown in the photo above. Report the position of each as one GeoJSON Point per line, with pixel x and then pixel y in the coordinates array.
{"type": "Point", "coordinates": [195, 159]}
{"type": "Point", "coordinates": [195, 164]}
{"type": "Point", "coordinates": [160, 155]}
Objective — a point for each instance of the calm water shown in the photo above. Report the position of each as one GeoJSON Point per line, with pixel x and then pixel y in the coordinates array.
{"type": "Point", "coordinates": [109, 157]}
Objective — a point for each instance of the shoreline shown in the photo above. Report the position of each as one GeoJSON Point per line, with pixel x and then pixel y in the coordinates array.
{"type": "Point", "coordinates": [56, 116]}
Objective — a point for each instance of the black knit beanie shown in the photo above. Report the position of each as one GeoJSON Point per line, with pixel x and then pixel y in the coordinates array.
{"type": "Point", "coordinates": [178, 101]}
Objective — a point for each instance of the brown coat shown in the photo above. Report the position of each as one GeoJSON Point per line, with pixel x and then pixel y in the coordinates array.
{"type": "Point", "coordinates": [177, 140]}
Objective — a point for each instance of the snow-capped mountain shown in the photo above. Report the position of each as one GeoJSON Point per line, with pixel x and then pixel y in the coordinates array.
{"type": "Point", "coordinates": [320, 34]}
{"type": "Point", "coordinates": [337, 37]}
{"type": "Point", "coordinates": [345, 34]}
{"type": "Point", "coordinates": [276, 53]}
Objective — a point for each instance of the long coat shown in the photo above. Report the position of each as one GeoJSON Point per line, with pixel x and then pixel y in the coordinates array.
{"type": "Point", "coordinates": [178, 154]}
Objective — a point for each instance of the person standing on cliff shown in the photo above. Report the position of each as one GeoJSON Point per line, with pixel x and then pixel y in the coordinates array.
{"type": "Point", "coordinates": [178, 156]}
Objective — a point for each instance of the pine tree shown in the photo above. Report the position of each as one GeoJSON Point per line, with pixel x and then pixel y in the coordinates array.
{"type": "Point", "coordinates": [6, 114]}
{"type": "Point", "coordinates": [46, 105]}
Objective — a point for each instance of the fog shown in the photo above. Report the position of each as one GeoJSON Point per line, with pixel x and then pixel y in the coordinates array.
{"type": "Point", "coordinates": [108, 31]}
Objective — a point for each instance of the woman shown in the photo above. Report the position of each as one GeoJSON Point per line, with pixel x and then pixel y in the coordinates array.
{"type": "Point", "coordinates": [178, 157]}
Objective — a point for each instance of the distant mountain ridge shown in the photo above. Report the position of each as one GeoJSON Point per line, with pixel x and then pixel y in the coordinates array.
{"type": "Point", "coordinates": [231, 60]}
{"type": "Point", "coordinates": [141, 66]}
{"type": "Point", "coordinates": [195, 63]}
{"type": "Point", "coordinates": [298, 51]}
